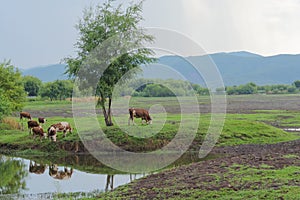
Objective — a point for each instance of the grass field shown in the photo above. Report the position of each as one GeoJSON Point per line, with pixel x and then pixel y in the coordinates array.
{"type": "Point", "coordinates": [257, 127]}
{"type": "Point", "coordinates": [250, 120]}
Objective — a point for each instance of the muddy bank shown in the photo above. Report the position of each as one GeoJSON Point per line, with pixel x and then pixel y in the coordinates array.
{"type": "Point", "coordinates": [66, 147]}
{"type": "Point", "coordinates": [202, 176]}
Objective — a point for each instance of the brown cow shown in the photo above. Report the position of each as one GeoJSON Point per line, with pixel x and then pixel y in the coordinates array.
{"type": "Point", "coordinates": [38, 131]}
{"type": "Point", "coordinates": [32, 124]}
{"type": "Point", "coordinates": [139, 113]}
{"type": "Point", "coordinates": [25, 115]}
{"type": "Point", "coordinates": [59, 127]}
{"type": "Point", "coordinates": [60, 174]}
{"type": "Point", "coordinates": [42, 120]}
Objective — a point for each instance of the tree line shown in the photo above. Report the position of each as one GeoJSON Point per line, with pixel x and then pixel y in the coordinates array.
{"type": "Point", "coordinates": [252, 88]}
{"type": "Point", "coordinates": [56, 90]}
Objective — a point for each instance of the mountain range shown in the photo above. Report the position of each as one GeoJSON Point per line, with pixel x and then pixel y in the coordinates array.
{"type": "Point", "coordinates": [47, 73]}
{"type": "Point", "coordinates": [235, 68]}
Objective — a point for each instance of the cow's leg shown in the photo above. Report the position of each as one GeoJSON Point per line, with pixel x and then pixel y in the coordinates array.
{"type": "Point", "coordinates": [129, 118]}
{"type": "Point", "coordinates": [54, 138]}
{"type": "Point", "coordinates": [65, 133]}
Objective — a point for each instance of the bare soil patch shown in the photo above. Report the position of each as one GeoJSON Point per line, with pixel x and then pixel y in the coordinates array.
{"type": "Point", "coordinates": [200, 175]}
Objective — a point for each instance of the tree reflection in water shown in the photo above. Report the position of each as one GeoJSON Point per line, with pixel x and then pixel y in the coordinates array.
{"type": "Point", "coordinates": [109, 182]}
{"type": "Point", "coordinates": [12, 174]}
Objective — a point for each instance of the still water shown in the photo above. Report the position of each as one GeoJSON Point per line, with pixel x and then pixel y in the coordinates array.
{"type": "Point", "coordinates": [24, 176]}
{"type": "Point", "coordinates": [77, 173]}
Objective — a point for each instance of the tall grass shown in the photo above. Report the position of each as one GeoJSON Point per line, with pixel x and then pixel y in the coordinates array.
{"type": "Point", "coordinates": [10, 123]}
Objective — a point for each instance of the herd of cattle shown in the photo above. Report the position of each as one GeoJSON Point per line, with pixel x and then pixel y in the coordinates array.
{"type": "Point", "coordinates": [36, 126]}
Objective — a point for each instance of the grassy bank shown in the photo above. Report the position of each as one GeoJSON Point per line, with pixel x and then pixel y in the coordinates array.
{"type": "Point", "coordinates": [256, 127]}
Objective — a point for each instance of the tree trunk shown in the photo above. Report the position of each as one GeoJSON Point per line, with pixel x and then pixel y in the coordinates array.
{"type": "Point", "coordinates": [107, 115]}
{"type": "Point", "coordinates": [109, 111]}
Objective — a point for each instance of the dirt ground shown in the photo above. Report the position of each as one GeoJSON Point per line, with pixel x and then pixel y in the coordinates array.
{"type": "Point", "coordinates": [199, 176]}
{"type": "Point", "coordinates": [235, 104]}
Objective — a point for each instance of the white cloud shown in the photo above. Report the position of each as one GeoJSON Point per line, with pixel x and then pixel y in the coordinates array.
{"type": "Point", "coordinates": [35, 33]}
{"type": "Point", "coordinates": [266, 27]}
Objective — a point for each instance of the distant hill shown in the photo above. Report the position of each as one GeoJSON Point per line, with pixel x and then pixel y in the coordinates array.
{"type": "Point", "coordinates": [236, 68]}
{"type": "Point", "coordinates": [47, 73]}
{"type": "Point", "coordinates": [241, 67]}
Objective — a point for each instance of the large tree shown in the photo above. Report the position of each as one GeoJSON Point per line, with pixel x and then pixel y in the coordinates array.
{"type": "Point", "coordinates": [11, 89]}
{"type": "Point", "coordinates": [59, 89]}
{"type": "Point", "coordinates": [115, 30]}
{"type": "Point", "coordinates": [32, 85]}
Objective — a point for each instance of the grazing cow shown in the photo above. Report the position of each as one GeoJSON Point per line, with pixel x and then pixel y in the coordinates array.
{"type": "Point", "coordinates": [59, 127]}
{"type": "Point", "coordinates": [52, 133]}
{"type": "Point", "coordinates": [38, 131]}
{"type": "Point", "coordinates": [139, 113]}
{"type": "Point", "coordinates": [42, 120]}
{"type": "Point", "coordinates": [25, 115]}
{"type": "Point", "coordinates": [36, 168]}
{"type": "Point", "coordinates": [32, 124]}
{"type": "Point", "coordinates": [60, 174]}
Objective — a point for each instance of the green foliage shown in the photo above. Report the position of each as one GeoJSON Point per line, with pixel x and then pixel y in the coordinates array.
{"type": "Point", "coordinates": [156, 90]}
{"type": "Point", "coordinates": [14, 171]}
{"type": "Point", "coordinates": [162, 88]}
{"type": "Point", "coordinates": [57, 90]}
{"type": "Point", "coordinates": [297, 83]}
{"type": "Point", "coordinates": [97, 27]}
{"type": "Point", "coordinates": [32, 85]}
{"type": "Point", "coordinates": [5, 105]}
{"type": "Point", "coordinates": [11, 88]}
{"type": "Point", "coordinates": [251, 88]}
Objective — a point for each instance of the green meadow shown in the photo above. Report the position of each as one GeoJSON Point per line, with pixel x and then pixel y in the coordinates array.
{"type": "Point", "coordinates": [255, 126]}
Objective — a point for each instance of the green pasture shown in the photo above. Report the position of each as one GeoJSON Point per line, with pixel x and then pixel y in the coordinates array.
{"type": "Point", "coordinates": [259, 127]}
{"type": "Point", "coordinates": [256, 127]}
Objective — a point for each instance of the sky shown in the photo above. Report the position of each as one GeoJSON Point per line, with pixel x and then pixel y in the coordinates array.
{"type": "Point", "coordinates": [36, 33]}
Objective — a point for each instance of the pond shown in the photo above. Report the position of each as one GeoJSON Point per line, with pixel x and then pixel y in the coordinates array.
{"type": "Point", "coordinates": [83, 173]}
{"type": "Point", "coordinates": [34, 176]}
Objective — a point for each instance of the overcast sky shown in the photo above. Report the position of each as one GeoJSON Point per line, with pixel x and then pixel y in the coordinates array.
{"type": "Point", "coordinates": [35, 32]}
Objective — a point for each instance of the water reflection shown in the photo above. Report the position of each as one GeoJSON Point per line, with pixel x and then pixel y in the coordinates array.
{"type": "Point", "coordinates": [20, 176]}
{"type": "Point", "coordinates": [12, 174]}
{"type": "Point", "coordinates": [36, 168]}
{"type": "Point", "coordinates": [55, 173]}
{"type": "Point", "coordinates": [109, 182]}
{"type": "Point", "coordinates": [77, 173]}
